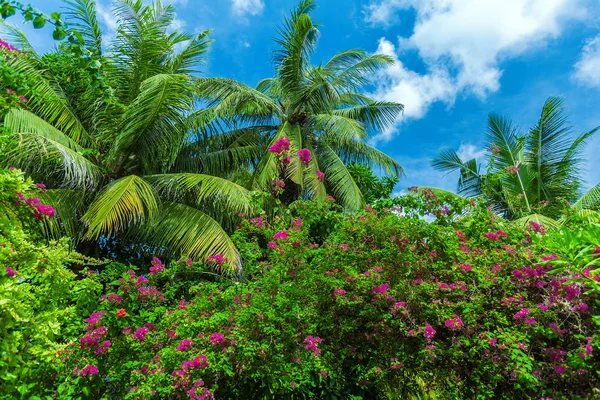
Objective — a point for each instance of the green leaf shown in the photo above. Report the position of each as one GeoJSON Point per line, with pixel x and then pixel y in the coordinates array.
{"type": "Point", "coordinates": [59, 33]}
{"type": "Point", "coordinates": [39, 22]}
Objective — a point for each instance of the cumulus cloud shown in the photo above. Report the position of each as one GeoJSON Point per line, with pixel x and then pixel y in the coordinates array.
{"type": "Point", "coordinates": [468, 151]}
{"type": "Point", "coordinates": [245, 7]}
{"type": "Point", "coordinates": [587, 69]}
{"type": "Point", "coordinates": [462, 43]}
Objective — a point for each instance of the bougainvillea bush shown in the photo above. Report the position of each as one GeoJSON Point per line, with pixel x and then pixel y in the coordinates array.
{"type": "Point", "coordinates": [381, 304]}
{"type": "Point", "coordinates": [40, 299]}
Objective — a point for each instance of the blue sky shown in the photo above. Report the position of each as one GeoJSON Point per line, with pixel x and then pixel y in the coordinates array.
{"type": "Point", "coordinates": [457, 60]}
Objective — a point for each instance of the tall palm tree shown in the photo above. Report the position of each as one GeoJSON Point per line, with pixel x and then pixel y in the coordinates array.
{"type": "Point", "coordinates": [110, 165]}
{"type": "Point", "coordinates": [526, 174]}
{"type": "Point", "coordinates": [318, 108]}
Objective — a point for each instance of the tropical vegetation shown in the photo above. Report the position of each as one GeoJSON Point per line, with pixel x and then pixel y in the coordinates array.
{"type": "Point", "coordinates": [166, 235]}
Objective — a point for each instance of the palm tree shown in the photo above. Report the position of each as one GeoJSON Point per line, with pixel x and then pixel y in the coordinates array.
{"type": "Point", "coordinates": [527, 174]}
{"type": "Point", "coordinates": [116, 165]}
{"type": "Point", "coordinates": [318, 108]}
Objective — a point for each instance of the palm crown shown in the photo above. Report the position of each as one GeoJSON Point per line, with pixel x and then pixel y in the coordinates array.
{"type": "Point", "coordinates": [316, 108]}
{"type": "Point", "coordinates": [112, 158]}
{"type": "Point", "coordinates": [526, 174]}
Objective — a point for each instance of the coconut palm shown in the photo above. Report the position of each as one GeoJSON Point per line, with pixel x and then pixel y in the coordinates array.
{"type": "Point", "coordinates": [319, 108]}
{"type": "Point", "coordinates": [115, 165]}
{"type": "Point", "coordinates": [528, 174]}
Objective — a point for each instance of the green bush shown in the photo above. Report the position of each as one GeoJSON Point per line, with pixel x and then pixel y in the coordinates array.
{"type": "Point", "coordinates": [377, 305]}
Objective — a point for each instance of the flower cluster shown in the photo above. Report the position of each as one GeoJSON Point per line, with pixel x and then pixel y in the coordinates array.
{"type": "Point", "coordinates": [39, 210]}
{"type": "Point", "coordinates": [304, 155]}
{"type": "Point", "coordinates": [312, 343]}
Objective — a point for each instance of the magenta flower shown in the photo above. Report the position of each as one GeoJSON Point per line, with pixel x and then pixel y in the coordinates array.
{"type": "Point", "coordinates": [272, 245]}
{"type": "Point", "coordinates": [10, 272]}
{"type": "Point", "coordinates": [522, 313]}
{"type": "Point", "coordinates": [157, 267]}
{"type": "Point", "coordinates": [41, 186]}
{"type": "Point", "coordinates": [218, 259]}
{"type": "Point", "coordinates": [198, 362]}
{"type": "Point", "coordinates": [184, 344]}
{"type": "Point", "coordinates": [103, 348]}
{"type": "Point", "coordinates": [297, 222]}
{"type": "Point", "coordinates": [597, 251]}
{"type": "Point", "coordinates": [559, 369]}
{"type": "Point", "coordinates": [339, 292]}
{"type": "Point", "coordinates": [312, 343]}
{"type": "Point", "coordinates": [381, 288]}
{"type": "Point", "coordinates": [466, 267]}
{"type": "Point", "coordinates": [512, 169]}
{"type": "Point", "coordinates": [429, 332]}
{"type": "Point", "coordinates": [493, 342]}
{"type": "Point", "coordinates": [88, 370]}
{"type": "Point", "coordinates": [217, 338]}
{"type": "Point", "coordinates": [304, 155]}
{"type": "Point", "coordinates": [258, 222]}
{"type": "Point", "coordinates": [282, 144]}
{"type": "Point", "coordinates": [281, 235]}
{"type": "Point", "coordinates": [140, 334]}
{"type": "Point", "coordinates": [454, 323]}
{"type": "Point", "coordinates": [320, 176]}
{"type": "Point", "coordinates": [543, 307]}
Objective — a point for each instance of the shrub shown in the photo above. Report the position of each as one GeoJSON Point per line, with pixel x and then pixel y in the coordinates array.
{"type": "Point", "coordinates": [377, 305]}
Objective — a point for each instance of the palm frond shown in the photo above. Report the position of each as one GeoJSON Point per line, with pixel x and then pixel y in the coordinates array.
{"type": "Point", "coordinates": [82, 17]}
{"type": "Point", "coordinates": [294, 170]}
{"type": "Point", "coordinates": [590, 200]}
{"type": "Point", "coordinates": [183, 230]}
{"type": "Point", "coordinates": [123, 203]}
{"type": "Point", "coordinates": [41, 148]}
{"type": "Point", "coordinates": [378, 115]}
{"type": "Point", "coordinates": [228, 196]}
{"type": "Point", "coordinates": [357, 75]}
{"type": "Point", "coordinates": [343, 186]}
{"type": "Point", "coordinates": [69, 205]}
{"type": "Point", "coordinates": [543, 220]}
{"type": "Point", "coordinates": [17, 38]}
{"type": "Point", "coordinates": [191, 56]}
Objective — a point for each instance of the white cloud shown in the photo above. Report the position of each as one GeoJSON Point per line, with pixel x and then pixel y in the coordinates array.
{"type": "Point", "coordinates": [468, 151]}
{"type": "Point", "coordinates": [587, 69]}
{"type": "Point", "coordinates": [462, 43]}
{"type": "Point", "coordinates": [244, 7]}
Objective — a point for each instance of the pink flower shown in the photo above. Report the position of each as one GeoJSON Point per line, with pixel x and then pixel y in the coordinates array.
{"type": "Point", "coordinates": [41, 186]}
{"type": "Point", "coordinates": [140, 334]}
{"type": "Point", "coordinates": [396, 364]}
{"type": "Point", "coordinates": [304, 155]}
{"type": "Point", "coordinates": [184, 344]}
{"type": "Point", "coordinates": [156, 267]}
{"type": "Point", "coordinates": [282, 144]}
{"type": "Point", "coordinates": [343, 247]}
{"type": "Point", "coordinates": [11, 92]}
{"type": "Point", "coordinates": [597, 251]}
{"type": "Point", "coordinates": [297, 222]}
{"type": "Point", "coordinates": [272, 245]}
{"type": "Point", "coordinates": [454, 323]}
{"type": "Point", "coordinates": [512, 169]}
{"type": "Point", "coordinates": [491, 235]}
{"type": "Point", "coordinates": [543, 307]}
{"type": "Point", "coordinates": [381, 288]}
{"type": "Point", "coordinates": [429, 332]}
{"type": "Point", "coordinates": [493, 342]}
{"type": "Point", "coordinates": [320, 176]}
{"type": "Point", "coordinates": [10, 272]}
{"type": "Point", "coordinates": [23, 99]}
{"type": "Point", "coordinates": [88, 370]}
{"type": "Point", "coordinates": [293, 384]}
{"type": "Point", "coordinates": [198, 362]}
{"type": "Point", "coordinates": [466, 267]}
{"type": "Point", "coordinates": [522, 313]}
{"type": "Point", "coordinates": [103, 348]}
{"type": "Point", "coordinates": [312, 344]}
{"type": "Point", "coordinates": [339, 292]}
{"type": "Point", "coordinates": [217, 338]}
{"type": "Point", "coordinates": [258, 222]}
{"type": "Point", "coordinates": [559, 369]}
{"type": "Point", "coordinates": [281, 235]}
{"type": "Point", "coordinates": [530, 321]}
{"type": "Point", "coordinates": [218, 259]}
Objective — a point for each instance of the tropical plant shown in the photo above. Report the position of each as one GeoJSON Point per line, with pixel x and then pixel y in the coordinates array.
{"type": "Point", "coordinates": [108, 158]}
{"type": "Point", "coordinates": [528, 176]}
{"type": "Point", "coordinates": [372, 187]}
{"type": "Point", "coordinates": [315, 110]}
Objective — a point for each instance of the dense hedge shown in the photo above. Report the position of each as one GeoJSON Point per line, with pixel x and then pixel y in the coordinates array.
{"type": "Point", "coordinates": [382, 304]}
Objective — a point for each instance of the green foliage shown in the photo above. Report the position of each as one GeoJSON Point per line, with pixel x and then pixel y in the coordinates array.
{"type": "Point", "coordinates": [373, 305]}
{"type": "Point", "coordinates": [526, 174]}
{"type": "Point", "coordinates": [371, 186]}
{"type": "Point", "coordinates": [39, 295]}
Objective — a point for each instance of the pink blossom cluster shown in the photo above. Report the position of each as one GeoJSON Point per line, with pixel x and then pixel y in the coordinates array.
{"type": "Point", "coordinates": [304, 155]}
{"type": "Point", "coordinates": [156, 267]}
{"type": "Point", "coordinates": [381, 288]}
{"type": "Point", "coordinates": [312, 343]}
{"type": "Point", "coordinates": [217, 338]}
{"type": "Point", "coordinates": [320, 175]}
{"type": "Point", "coordinates": [278, 186]}
{"type": "Point", "coordinates": [185, 344]}
{"type": "Point", "coordinates": [429, 332]}
{"type": "Point", "coordinates": [113, 297]}
{"type": "Point", "coordinates": [282, 235]}
{"type": "Point", "coordinates": [526, 272]}
{"type": "Point", "coordinates": [88, 370]}
{"type": "Point", "coordinates": [339, 293]}
{"type": "Point", "coordinates": [39, 210]}
{"type": "Point", "coordinates": [495, 235]}
{"type": "Point", "coordinates": [103, 348]}
{"type": "Point", "coordinates": [281, 148]}
{"type": "Point", "coordinates": [218, 259]}
{"type": "Point", "coordinates": [198, 392]}
{"type": "Point", "coordinates": [7, 46]}
{"type": "Point", "coordinates": [140, 333]}
{"type": "Point", "coordinates": [452, 286]}
{"type": "Point", "coordinates": [258, 222]}
{"type": "Point", "coordinates": [10, 272]}
{"type": "Point", "coordinates": [454, 323]}
{"type": "Point", "coordinates": [199, 362]}
{"type": "Point", "coordinates": [148, 293]}
{"type": "Point", "coordinates": [512, 169]}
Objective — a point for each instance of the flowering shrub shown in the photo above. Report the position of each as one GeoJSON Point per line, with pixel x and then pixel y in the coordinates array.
{"type": "Point", "coordinates": [373, 305]}
{"type": "Point", "coordinates": [40, 300]}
